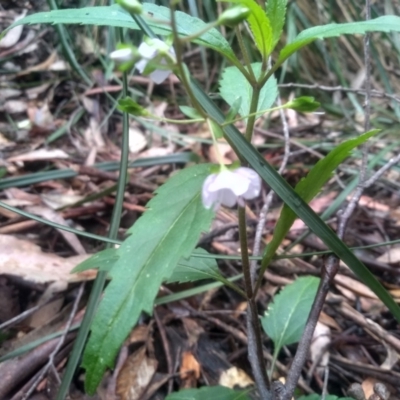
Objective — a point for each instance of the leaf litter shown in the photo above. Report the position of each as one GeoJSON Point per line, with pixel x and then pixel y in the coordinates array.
{"type": "Point", "coordinates": [363, 341]}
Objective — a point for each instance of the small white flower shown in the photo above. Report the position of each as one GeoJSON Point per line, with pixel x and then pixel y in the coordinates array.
{"type": "Point", "coordinates": [151, 51]}
{"type": "Point", "coordinates": [122, 55]}
{"type": "Point", "coordinates": [230, 187]}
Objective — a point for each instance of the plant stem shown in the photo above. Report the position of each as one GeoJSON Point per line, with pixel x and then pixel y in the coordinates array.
{"type": "Point", "coordinates": [329, 271]}
{"type": "Point", "coordinates": [255, 350]}
{"type": "Point", "coordinates": [245, 56]}
{"type": "Point", "coordinates": [253, 109]}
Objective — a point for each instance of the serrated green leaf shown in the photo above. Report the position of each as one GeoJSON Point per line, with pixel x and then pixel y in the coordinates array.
{"type": "Point", "coordinates": [103, 260]}
{"type": "Point", "coordinates": [233, 85]}
{"type": "Point", "coordinates": [209, 392]}
{"type": "Point", "coordinates": [286, 317]}
{"type": "Point", "coordinates": [190, 112]}
{"type": "Point", "coordinates": [295, 202]}
{"type": "Point", "coordinates": [195, 269]}
{"type": "Point", "coordinates": [386, 23]}
{"type": "Point", "coordinates": [309, 187]}
{"type": "Point", "coordinates": [167, 231]}
{"type": "Point", "coordinates": [157, 17]}
{"type": "Point", "coordinates": [276, 12]}
{"type": "Point", "coordinates": [260, 25]}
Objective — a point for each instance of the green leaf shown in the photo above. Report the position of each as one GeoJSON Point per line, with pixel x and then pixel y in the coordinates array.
{"type": "Point", "coordinates": [190, 112]}
{"type": "Point", "coordinates": [260, 26]}
{"type": "Point", "coordinates": [295, 202]}
{"type": "Point", "coordinates": [286, 317]}
{"type": "Point", "coordinates": [103, 260]}
{"type": "Point", "coordinates": [303, 104]}
{"type": "Point", "coordinates": [157, 17]}
{"type": "Point", "coordinates": [233, 110]}
{"type": "Point", "coordinates": [276, 12]}
{"type": "Point", "coordinates": [209, 392]}
{"type": "Point", "coordinates": [234, 86]}
{"type": "Point", "coordinates": [309, 187]}
{"type": "Point", "coordinates": [167, 231]}
{"type": "Point", "coordinates": [195, 269]}
{"type": "Point", "coordinates": [131, 107]}
{"type": "Point", "coordinates": [386, 23]}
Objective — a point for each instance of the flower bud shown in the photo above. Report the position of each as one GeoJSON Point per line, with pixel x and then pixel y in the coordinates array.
{"type": "Point", "coordinates": [132, 6]}
{"type": "Point", "coordinates": [233, 16]}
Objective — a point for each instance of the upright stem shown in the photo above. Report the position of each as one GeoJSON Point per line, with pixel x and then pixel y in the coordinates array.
{"type": "Point", "coordinates": [253, 109]}
{"type": "Point", "coordinates": [255, 350]}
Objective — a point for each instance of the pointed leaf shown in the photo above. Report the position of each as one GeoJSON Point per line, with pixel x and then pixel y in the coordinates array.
{"type": "Point", "coordinates": [166, 232]}
{"type": "Point", "coordinates": [286, 317]}
{"type": "Point", "coordinates": [276, 12]}
{"type": "Point", "coordinates": [309, 187]}
{"type": "Point", "coordinates": [103, 260]}
{"type": "Point", "coordinates": [190, 112]}
{"type": "Point", "coordinates": [209, 392]}
{"type": "Point", "coordinates": [259, 24]}
{"type": "Point", "coordinates": [386, 23]}
{"type": "Point", "coordinates": [159, 18]}
{"type": "Point", "coordinates": [195, 269]}
{"type": "Point", "coordinates": [234, 85]}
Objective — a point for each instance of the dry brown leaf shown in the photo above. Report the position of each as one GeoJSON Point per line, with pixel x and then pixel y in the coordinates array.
{"type": "Point", "coordinates": [368, 387]}
{"type": "Point", "coordinates": [12, 36]}
{"type": "Point", "coordinates": [53, 216]}
{"type": "Point", "coordinates": [27, 261]}
{"type": "Point", "coordinates": [189, 371]}
{"type": "Point", "coordinates": [320, 346]}
{"type": "Point", "coordinates": [41, 154]}
{"type": "Point", "coordinates": [392, 256]}
{"type": "Point", "coordinates": [355, 286]}
{"type": "Point", "coordinates": [135, 375]}
{"type": "Point", "coordinates": [235, 377]}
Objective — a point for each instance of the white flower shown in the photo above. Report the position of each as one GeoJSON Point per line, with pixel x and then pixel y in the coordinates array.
{"type": "Point", "coordinates": [122, 55]}
{"type": "Point", "coordinates": [152, 50]}
{"type": "Point", "coordinates": [230, 187]}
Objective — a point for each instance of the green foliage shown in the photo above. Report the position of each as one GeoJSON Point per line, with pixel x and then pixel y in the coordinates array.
{"type": "Point", "coordinates": [195, 268]}
{"type": "Point", "coordinates": [386, 23]}
{"type": "Point", "coordinates": [276, 12]}
{"type": "Point", "coordinates": [260, 26]}
{"type": "Point", "coordinates": [286, 317]}
{"type": "Point", "coordinates": [168, 231]}
{"type": "Point", "coordinates": [234, 86]}
{"type": "Point", "coordinates": [303, 104]}
{"type": "Point", "coordinates": [190, 112]}
{"type": "Point", "coordinates": [295, 202]}
{"type": "Point", "coordinates": [209, 392]}
{"type": "Point", "coordinates": [103, 260]}
{"type": "Point", "coordinates": [157, 17]}
{"type": "Point", "coordinates": [309, 187]}
{"type": "Point", "coordinates": [131, 107]}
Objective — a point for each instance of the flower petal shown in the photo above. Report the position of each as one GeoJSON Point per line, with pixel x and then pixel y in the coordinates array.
{"type": "Point", "coordinates": [159, 76]}
{"type": "Point", "coordinates": [122, 55]}
{"type": "Point", "coordinates": [146, 51]}
{"type": "Point", "coordinates": [141, 65]}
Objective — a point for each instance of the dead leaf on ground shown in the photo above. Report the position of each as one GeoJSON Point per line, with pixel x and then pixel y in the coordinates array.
{"type": "Point", "coordinates": [189, 371]}
{"type": "Point", "coordinates": [136, 375]}
{"type": "Point", "coordinates": [320, 347]}
{"type": "Point", "coordinates": [235, 377]}
{"type": "Point", "coordinates": [392, 256]}
{"type": "Point", "coordinates": [12, 36]}
{"type": "Point", "coordinates": [26, 260]}
{"type": "Point", "coordinates": [41, 154]}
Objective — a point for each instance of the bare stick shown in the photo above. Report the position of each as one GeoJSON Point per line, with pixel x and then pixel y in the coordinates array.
{"type": "Point", "coordinates": [373, 93]}
{"type": "Point", "coordinates": [50, 363]}
{"type": "Point", "coordinates": [330, 269]}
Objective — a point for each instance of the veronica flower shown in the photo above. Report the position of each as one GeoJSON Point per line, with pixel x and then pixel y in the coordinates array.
{"type": "Point", "coordinates": [155, 53]}
{"type": "Point", "coordinates": [230, 187]}
{"type": "Point", "coordinates": [122, 55]}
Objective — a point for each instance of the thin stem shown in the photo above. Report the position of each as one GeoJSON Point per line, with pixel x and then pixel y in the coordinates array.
{"type": "Point", "coordinates": [101, 277]}
{"type": "Point", "coordinates": [245, 55]}
{"type": "Point", "coordinates": [255, 350]}
{"type": "Point", "coordinates": [331, 267]}
{"type": "Point", "coordinates": [253, 108]}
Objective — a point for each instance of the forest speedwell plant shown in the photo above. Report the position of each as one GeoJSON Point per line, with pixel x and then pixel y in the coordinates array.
{"type": "Point", "coordinates": [160, 246]}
